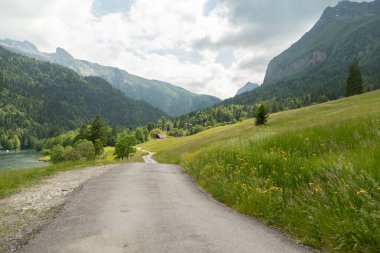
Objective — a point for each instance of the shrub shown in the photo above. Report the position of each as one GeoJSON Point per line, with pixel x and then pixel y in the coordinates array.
{"type": "Point", "coordinates": [57, 154]}
{"type": "Point", "coordinates": [84, 150]}
{"type": "Point", "coordinates": [176, 132]}
{"type": "Point", "coordinates": [46, 152]}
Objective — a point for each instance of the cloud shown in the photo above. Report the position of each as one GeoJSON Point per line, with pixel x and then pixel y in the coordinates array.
{"type": "Point", "coordinates": [206, 46]}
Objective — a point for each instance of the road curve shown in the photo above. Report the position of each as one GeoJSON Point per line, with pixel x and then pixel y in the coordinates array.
{"type": "Point", "coordinates": [152, 208]}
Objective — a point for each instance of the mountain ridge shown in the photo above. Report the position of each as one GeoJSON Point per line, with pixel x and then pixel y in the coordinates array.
{"type": "Point", "coordinates": [314, 69]}
{"type": "Point", "coordinates": [172, 99]}
{"type": "Point", "coordinates": [39, 99]}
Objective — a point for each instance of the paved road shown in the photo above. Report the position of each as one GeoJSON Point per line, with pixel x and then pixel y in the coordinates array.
{"type": "Point", "coordinates": [152, 208]}
{"type": "Point", "coordinates": [148, 158]}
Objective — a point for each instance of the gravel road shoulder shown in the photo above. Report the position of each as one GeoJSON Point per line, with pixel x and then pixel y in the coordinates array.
{"type": "Point", "coordinates": [24, 214]}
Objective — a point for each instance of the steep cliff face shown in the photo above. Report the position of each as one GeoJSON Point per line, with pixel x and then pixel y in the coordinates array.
{"type": "Point", "coordinates": [349, 30]}
{"type": "Point", "coordinates": [276, 72]}
{"type": "Point", "coordinates": [314, 69]}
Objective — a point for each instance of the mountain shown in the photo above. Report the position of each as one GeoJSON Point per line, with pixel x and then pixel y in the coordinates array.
{"type": "Point", "coordinates": [314, 69]}
{"type": "Point", "coordinates": [169, 98]}
{"type": "Point", "coordinates": [38, 99]}
{"type": "Point", "coordinates": [247, 87]}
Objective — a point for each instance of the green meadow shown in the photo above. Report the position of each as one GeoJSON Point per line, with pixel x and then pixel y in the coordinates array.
{"type": "Point", "coordinates": [313, 172]}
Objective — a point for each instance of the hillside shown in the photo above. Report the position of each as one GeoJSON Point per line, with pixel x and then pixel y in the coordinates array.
{"type": "Point", "coordinates": [39, 99]}
{"type": "Point", "coordinates": [314, 69]}
{"type": "Point", "coordinates": [313, 172]}
{"type": "Point", "coordinates": [170, 98]}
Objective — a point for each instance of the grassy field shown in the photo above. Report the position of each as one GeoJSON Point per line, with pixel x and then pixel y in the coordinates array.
{"type": "Point", "coordinates": [13, 180]}
{"type": "Point", "coordinates": [312, 172]}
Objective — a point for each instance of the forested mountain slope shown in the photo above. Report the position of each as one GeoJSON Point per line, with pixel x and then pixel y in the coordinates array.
{"type": "Point", "coordinates": [39, 99]}
{"type": "Point", "coordinates": [170, 98]}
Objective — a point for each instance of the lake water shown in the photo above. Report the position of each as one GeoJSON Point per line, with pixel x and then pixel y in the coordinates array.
{"type": "Point", "coordinates": [20, 159]}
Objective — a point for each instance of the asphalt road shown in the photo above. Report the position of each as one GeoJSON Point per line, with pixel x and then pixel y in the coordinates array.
{"type": "Point", "coordinates": [152, 208]}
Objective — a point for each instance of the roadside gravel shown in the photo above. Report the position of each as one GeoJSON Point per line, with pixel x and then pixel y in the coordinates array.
{"type": "Point", "coordinates": [24, 214]}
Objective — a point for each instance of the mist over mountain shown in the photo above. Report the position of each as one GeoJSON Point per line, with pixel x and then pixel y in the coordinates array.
{"type": "Point", "coordinates": [169, 98]}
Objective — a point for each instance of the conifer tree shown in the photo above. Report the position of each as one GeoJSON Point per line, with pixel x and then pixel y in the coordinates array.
{"type": "Point", "coordinates": [261, 115]}
{"type": "Point", "coordinates": [98, 134]}
{"type": "Point", "coordinates": [354, 84]}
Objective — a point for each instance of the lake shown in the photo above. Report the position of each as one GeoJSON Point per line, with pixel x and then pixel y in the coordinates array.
{"type": "Point", "coordinates": [20, 159]}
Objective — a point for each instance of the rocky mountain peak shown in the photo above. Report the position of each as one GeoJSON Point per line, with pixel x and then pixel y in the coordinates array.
{"type": "Point", "coordinates": [247, 87]}
{"type": "Point", "coordinates": [25, 45]}
{"type": "Point", "coordinates": [62, 53]}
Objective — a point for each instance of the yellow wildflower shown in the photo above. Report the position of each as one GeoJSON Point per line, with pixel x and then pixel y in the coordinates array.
{"type": "Point", "coordinates": [361, 191]}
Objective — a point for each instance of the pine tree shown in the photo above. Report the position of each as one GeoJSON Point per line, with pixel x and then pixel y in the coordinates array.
{"type": "Point", "coordinates": [354, 84]}
{"type": "Point", "coordinates": [98, 134]}
{"type": "Point", "coordinates": [261, 115]}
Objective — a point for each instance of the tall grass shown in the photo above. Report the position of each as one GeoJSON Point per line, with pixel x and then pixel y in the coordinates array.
{"type": "Point", "coordinates": [312, 172]}
{"type": "Point", "coordinates": [320, 183]}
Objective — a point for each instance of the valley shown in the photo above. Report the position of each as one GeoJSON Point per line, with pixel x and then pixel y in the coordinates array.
{"type": "Point", "coordinates": [95, 158]}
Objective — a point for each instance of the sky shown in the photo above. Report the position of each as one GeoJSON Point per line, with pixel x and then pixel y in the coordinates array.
{"type": "Point", "coordinates": [206, 46]}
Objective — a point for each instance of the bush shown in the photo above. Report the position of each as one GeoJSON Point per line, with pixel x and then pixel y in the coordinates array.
{"type": "Point", "coordinates": [69, 154]}
{"type": "Point", "coordinates": [46, 152]}
{"type": "Point", "coordinates": [57, 154]}
{"type": "Point", "coordinates": [99, 147]}
{"type": "Point", "coordinates": [197, 129]}
{"type": "Point", "coordinates": [84, 150]}
{"type": "Point", "coordinates": [176, 132]}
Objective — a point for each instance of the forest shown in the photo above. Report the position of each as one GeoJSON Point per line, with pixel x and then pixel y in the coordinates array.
{"type": "Point", "coordinates": [39, 100]}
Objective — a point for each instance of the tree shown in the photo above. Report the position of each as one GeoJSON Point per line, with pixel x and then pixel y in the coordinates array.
{"type": "Point", "coordinates": [354, 83]}
{"type": "Point", "coordinates": [98, 130]}
{"type": "Point", "coordinates": [261, 115]}
{"type": "Point", "coordinates": [11, 144]}
{"type": "Point", "coordinates": [84, 133]}
{"type": "Point", "coordinates": [140, 135]}
{"type": "Point", "coordinates": [125, 146]}
{"type": "Point", "coordinates": [146, 134]}
{"type": "Point", "coordinates": [17, 142]}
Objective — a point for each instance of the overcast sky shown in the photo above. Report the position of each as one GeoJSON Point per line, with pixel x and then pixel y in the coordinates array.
{"type": "Point", "coordinates": [206, 46]}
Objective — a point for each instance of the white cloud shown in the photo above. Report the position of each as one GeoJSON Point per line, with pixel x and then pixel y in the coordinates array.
{"type": "Point", "coordinates": [168, 40]}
